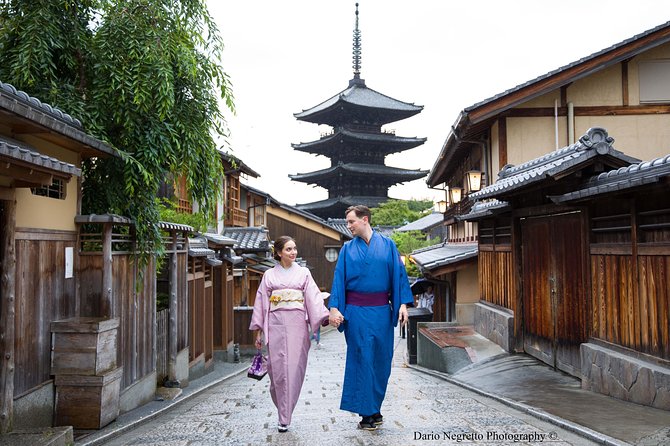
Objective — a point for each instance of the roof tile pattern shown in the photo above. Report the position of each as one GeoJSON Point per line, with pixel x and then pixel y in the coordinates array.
{"type": "Point", "coordinates": [249, 239]}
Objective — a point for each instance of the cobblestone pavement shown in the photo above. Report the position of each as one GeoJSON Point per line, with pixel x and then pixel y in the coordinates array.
{"type": "Point", "coordinates": [419, 409]}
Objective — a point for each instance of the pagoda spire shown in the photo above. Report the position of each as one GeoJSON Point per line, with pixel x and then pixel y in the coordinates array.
{"type": "Point", "coordinates": [357, 49]}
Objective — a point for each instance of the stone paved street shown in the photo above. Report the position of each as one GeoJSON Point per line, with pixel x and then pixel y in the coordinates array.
{"type": "Point", "coordinates": [419, 409]}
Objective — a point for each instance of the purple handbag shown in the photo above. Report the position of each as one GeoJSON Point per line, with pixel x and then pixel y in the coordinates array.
{"type": "Point", "coordinates": [259, 366]}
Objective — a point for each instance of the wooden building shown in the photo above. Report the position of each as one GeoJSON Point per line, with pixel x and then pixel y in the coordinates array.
{"type": "Point", "coordinates": [357, 146]}
{"type": "Point", "coordinates": [622, 88]}
{"type": "Point", "coordinates": [574, 257]}
{"type": "Point", "coordinates": [41, 150]}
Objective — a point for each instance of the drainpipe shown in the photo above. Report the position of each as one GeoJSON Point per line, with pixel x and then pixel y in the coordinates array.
{"type": "Point", "coordinates": [556, 121]}
{"type": "Point", "coordinates": [571, 123]}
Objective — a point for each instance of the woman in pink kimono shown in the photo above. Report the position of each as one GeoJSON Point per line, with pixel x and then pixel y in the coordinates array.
{"type": "Point", "coordinates": [288, 308]}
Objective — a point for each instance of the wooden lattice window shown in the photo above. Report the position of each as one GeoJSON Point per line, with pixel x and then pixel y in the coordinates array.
{"type": "Point", "coordinates": [55, 190]}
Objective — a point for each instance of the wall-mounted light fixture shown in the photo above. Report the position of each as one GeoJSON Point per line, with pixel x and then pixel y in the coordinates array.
{"type": "Point", "coordinates": [455, 194]}
{"type": "Point", "coordinates": [474, 178]}
{"type": "Point", "coordinates": [441, 206]}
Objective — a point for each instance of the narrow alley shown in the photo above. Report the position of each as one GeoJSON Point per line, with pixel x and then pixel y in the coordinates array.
{"type": "Point", "coordinates": [419, 409]}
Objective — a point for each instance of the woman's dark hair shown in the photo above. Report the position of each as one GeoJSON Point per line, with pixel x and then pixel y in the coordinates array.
{"type": "Point", "coordinates": [279, 245]}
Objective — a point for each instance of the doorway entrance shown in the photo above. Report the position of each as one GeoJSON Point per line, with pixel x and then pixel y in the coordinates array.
{"type": "Point", "coordinates": [554, 289]}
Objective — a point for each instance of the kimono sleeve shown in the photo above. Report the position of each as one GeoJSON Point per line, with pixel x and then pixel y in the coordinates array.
{"type": "Point", "coordinates": [316, 310]}
{"type": "Point", "coordinates": [259, 317]}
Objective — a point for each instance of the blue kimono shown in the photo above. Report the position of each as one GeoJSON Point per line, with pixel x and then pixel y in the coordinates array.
{"type": "Point", "coordinates": [368, 330]}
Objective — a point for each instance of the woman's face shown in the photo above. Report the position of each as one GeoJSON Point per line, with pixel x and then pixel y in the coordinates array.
{"type": "Point", "coordinates": [288, 253]}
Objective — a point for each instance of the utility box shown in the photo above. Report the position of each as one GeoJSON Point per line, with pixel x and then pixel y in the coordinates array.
{"type": "Point", "coordinates": [415, 315]}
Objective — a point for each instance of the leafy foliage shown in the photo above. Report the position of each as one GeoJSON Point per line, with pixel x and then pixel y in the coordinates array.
{"type": "Point", "coordinates": [410, 241]}
{"type": "Point", "coordinates": [393, 213]}
{"type": "Point", "coordinates": [143, 75]}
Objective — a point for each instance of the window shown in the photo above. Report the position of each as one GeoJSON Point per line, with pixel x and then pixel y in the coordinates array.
{"type": "Point", "coordinates": [331, 254]}
{"type": "Point", "coordinates": [655, 81]}
{"type": "Point", "coordinates": [55, 190]}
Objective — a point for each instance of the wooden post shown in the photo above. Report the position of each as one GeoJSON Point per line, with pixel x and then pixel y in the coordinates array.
{"type": "Point", "coordinates": [172, 324]}
{"type": "Point", "coordinates": [107, 304]}
{"type": "Point", "coordinates": [7, 309]}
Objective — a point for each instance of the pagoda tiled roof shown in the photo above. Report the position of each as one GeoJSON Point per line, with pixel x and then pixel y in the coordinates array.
{"type": "Point", "coordinates": [386, 142]}
{"type": "Point", "coordinates": [379, 171]}
{"type": "Point", "coordinates": [358, 96]}
{"type": "Point", "coordinates": [335, 207]}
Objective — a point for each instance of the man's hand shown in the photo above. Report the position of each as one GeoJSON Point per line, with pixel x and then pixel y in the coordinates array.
{"type": "Point", "coordinates": [335, 317]}
{"type": "Point", "coordinates": [402, 315]}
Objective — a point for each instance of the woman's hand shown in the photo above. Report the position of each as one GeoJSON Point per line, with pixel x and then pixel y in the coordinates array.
{"type": "Point", "coordinates": [259, 340]}
{"type": "Point", "coordinates": [335, 317]}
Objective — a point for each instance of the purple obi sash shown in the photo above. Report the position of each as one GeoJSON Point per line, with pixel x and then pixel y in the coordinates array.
{"type": "Point", "coordinates": [367, 299]}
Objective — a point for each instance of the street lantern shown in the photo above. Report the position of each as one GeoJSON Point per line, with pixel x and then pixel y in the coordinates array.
{"type": "Point", "coordinates": [455, 194]}
{"type": "Point", "coordinates": [474, 178]}
{"type": "Point", "coordinates": [441, 206]}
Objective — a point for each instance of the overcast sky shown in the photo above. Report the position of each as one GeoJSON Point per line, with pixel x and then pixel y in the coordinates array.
{"type": "Point", "coordinates": [284, 57]}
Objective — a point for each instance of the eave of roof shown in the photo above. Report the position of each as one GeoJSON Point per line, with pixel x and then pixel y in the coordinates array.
{"type": "Point", "coordinates": [594, 143]}
{"type": "Point", "coordinates": [493, 106]}
{"type": "Point", "coordinates": [622, 179]}
{"type": "Point", "coordinates": [238, 164]}
{"type": "Point", "coordinates": [357, 94]}
{"type": "Point", "coordinates": [438, 256]}
{"type": "Point", "coordinates": [392, 173]}
{"type": "Point", "coordinates": [17, 154]}
{"type": "Point", "coordinates": [33, 110]}
{"type": "Point", "coordinates": [386, 142]}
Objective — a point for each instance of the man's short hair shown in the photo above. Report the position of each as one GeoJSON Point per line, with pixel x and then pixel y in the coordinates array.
{"type": "Point", "coordinates": [360, 211]}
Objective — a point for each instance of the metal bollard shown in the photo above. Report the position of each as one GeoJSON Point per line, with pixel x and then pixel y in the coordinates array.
{"type": "Point", "coordinates": [236, 352]}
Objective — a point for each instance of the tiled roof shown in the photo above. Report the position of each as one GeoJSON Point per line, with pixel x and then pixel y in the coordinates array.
{"type": "Point", "coordinates": [169, 226]}
{"type": "Point", "coordinates": [596, 142]}
{"type": "Point", "coordinates": [466, 126]}
{"type": "Point", "coordinates": [218, 239]}
{"type": "Point", "coordinates": [635, 175]}
{"type": "Point", "coordinates": [359, 94]}
{"type": "Point", "coordinates": [32, 109]}
{"type": "Point", "coordinates": [239, 164]}
{"type": "Point", "coordinates": [484, 209]}
{"type": "Point", "coordinates": [249, 238]}
{"type": "Point", "coordinates": [19, 152]}
{"type": "Point", "coordinates": [339, 224]}
{"type": "Point", "coordinates": [388, 142]}
{"type": "Point", "coordinates": [396, 174]}
{"type": "Point", "coordinates": [437, 256]}
{"type": "Point", "coordinates": [571, 65]}
{"type": "Point", "coordinates": [426, 222]}
{"type": "Point", "coordinates": [46, 108]}
{"type": "Point", "coordinates": [197, 247]}
{"type": "Point", "coordinates": [344, 201]}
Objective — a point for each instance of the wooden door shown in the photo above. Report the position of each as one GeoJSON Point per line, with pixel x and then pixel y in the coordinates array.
{"type": "Point", "coordinates": [554, 291]}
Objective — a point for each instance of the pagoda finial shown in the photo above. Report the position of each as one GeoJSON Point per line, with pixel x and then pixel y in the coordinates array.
{"type": "Point", "coordinates": [357, 49]}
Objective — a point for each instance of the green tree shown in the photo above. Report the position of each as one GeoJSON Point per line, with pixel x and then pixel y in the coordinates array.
{"type": "Point", "coordinates": [408, 242]}
{"type": "Point", "coordinates": [393, 213]}
{"type": "Point", "coordinates": [143, 75]}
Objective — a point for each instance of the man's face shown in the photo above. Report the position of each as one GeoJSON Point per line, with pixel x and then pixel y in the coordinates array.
{"type": "Point", "coordinates": [355, 224]}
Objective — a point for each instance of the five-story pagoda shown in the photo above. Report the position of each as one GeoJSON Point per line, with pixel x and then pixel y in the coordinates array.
{"type": "Point", "coordinates": [357, 145]}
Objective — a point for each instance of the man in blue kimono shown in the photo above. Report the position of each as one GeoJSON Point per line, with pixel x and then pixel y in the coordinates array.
{"type": "Point", "coordinates": [369, 297]}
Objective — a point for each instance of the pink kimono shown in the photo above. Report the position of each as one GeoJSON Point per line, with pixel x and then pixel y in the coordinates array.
{"type": "Point", "coordinates": [295, 312]}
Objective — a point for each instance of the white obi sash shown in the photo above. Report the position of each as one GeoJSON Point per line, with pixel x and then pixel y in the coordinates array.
{"type": "Point", "coordinates": [286, 299]}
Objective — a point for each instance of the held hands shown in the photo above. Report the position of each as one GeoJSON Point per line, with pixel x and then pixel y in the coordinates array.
{"type": "Point", "coordinates": [335, 317]}
{"type": "Point", "coordinates": [402, 315]}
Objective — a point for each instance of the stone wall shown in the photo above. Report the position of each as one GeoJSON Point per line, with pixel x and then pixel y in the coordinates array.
{"type": "Point", "coordinates": [622, 376]}
{"type": "Point", "coordinates": [495, 324]}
